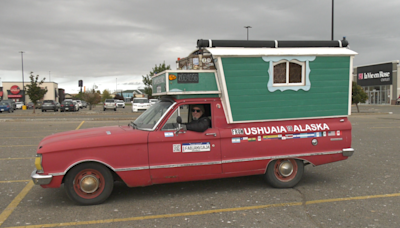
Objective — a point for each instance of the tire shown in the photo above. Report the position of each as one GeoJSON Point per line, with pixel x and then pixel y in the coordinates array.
{"type": "Point", "coordinates": [42, 110]}
{"type": "Point", "coordinates": [115, 109]}
{"type": "Point", "coordinates": [284, 173]}
{"type": "Point", "coordinates": [104, 109]}
{"type": "Point", "coordinates": [99, 182]}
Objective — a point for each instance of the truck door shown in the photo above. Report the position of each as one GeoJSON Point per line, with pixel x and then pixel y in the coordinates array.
{"type": "Point", "coordinates": [184, 156]}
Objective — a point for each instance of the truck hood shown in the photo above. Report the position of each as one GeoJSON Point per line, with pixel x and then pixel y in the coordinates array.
{"type": "Point", "coordinates": [90, 138]}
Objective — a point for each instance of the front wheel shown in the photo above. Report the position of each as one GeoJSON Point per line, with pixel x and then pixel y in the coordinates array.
{"type": "Point", "coordinates": [89, 183]}
{"type": "Point", "coordinates": [284, 173]}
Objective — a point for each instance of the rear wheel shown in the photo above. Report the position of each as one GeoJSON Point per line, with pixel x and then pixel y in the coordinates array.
{"type": "Point", "coordinates": [89, 183]}
{"type": "Point", "coordinates": [284, 173]}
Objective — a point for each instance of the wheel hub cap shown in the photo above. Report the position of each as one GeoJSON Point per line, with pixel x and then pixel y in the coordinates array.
{"type": "Point", "coordinates": [89, 184]}
{"type": "Point", "coordinates": [286, 168]}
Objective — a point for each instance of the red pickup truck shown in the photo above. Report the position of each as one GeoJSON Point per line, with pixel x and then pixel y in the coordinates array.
{"type": "Point", "coordinates": [254, 129]}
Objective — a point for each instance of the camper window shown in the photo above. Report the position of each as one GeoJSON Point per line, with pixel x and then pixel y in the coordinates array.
{"type": "Point", "coordinates": [289, 73]}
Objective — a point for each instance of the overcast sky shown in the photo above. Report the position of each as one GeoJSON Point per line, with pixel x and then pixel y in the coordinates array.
{"type": "Point", "coordinates": [113, 43]}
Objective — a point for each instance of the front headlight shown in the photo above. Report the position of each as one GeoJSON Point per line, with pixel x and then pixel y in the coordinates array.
{"type": "Point", "coordinates": [38, 163]}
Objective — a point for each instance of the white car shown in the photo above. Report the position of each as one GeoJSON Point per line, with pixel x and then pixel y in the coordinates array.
{"type": "Point", "coordinates": [76, 105]}
{"type": "Point", "coordinates": [120, 104]}
{"type": "Point", "coordinates": [18, 105]}
{"type": "Point", "coordinates": [140, 104]}
{"type": "Point", "coordinates": [79, 103]}
{"type": "Point", "coordinates": [153, 101]}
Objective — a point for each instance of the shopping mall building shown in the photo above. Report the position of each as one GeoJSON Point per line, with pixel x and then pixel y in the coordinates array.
{"type": "Point", "coordinates": [380, 81]}
{"type": "Point", "coordinates": [14, 90]}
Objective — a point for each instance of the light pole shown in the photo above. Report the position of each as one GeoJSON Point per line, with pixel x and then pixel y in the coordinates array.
{"type": "Point", "coordinates": [247, 27]}
{"type": "Point", "coordinates": [116, 86]}
{"type": "Point", "coordinates": [49, 77]}
{"type": "Point", "coordinates": [23, 84]}
{"type": "Point", "coordinates": [332, 19]}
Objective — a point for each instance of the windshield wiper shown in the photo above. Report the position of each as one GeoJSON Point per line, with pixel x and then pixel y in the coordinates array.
{"type": "Point", "coordinates": [133, 125]}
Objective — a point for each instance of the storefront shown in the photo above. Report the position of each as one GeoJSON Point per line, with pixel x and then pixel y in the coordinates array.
{"type": "Point", "coordinates": [14, 90]}
{"type": "Point", "coordinates": [380, 82]}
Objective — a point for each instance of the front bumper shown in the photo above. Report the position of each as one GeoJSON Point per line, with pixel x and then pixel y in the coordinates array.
{"type": "Point", "coordinates": [40, 179]}
{"type": "Point", "coordinates": [348, 152]}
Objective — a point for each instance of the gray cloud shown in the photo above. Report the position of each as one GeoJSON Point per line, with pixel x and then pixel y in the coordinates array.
{"type": "Point", "coordinates": [99, 41]}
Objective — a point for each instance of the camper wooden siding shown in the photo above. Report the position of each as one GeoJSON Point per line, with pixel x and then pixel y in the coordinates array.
{"type": "Point", "coordinates": [250, 100]}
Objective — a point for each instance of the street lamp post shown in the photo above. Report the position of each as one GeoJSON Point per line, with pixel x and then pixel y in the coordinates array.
{"type": "Point", "coordinates": [332, 19]}
{"type": "Point", "coordinates": [23, 84]}
{"type": "Point", "coordinates": [247, 27]}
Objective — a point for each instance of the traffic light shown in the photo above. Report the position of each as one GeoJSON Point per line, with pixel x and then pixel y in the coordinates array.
{"type": "Point", "coordinates": [80, 83]}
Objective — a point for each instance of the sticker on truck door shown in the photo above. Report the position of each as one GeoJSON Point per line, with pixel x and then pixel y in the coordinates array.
{"type": "Point", "coordinates": [196, 147]}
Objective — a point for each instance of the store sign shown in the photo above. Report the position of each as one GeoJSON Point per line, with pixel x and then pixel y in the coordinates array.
{"type": "Point", "coordinates": [380, 74]}
{"type": "Point", "coordinates": [15, 89]}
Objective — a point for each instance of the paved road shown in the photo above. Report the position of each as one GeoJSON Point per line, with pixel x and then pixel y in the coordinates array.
{"type": "Point", "coordinates": [363, 191]}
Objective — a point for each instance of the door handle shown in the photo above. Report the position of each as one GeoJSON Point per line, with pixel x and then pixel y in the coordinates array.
{"type": "Point", "coordinates": [214, 134]}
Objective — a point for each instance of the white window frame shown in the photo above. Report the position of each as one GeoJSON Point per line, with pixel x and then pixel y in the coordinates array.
{"type": "Point", "coordinates": [287, 83]}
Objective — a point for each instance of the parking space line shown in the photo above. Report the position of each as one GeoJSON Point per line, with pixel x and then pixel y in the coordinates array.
{"type": "Point", "coordinates": [14, 181]}
{"type": "Point", "coordinates": [80, 125]}
{"type": "Point", "coordinates": [290, 204]}
{"type": "Point", "coordinates": [3, 159]}
{"type": "Point", "coordinates": [18, 145]}
{"type": "Point", "coordinates": [10, 208]}
{"type": "Point", "coordinates": [23, 137]}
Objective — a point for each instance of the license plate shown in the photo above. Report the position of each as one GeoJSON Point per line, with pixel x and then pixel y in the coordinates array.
{"type": "Point", "coordinates": [66, 108]}
{"type": "Point", "coordinates": [2, 109]}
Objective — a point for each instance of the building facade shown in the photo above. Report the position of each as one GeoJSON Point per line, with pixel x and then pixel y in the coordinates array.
{"type": "Point", "coordinates": [380, 81]}
{"type": "Point", "coordinates": [15, 91]}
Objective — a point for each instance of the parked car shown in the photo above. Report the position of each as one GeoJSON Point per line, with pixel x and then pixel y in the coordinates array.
{"type": "Point", "coordinates": [19, 104]}
{"type": "Point", "coordinates": [84, 104]}
{"type": "Point", "coordinates": [140, 104]}
{"type": "Point", "coordinates": [6, 106]}
{"type": "Point", "coordinates": [49, 105]}
{"type": "Point", "coordinates": [153, 101]}
{"type": "Point", "coordinates": [76, 105]}
{"type": "Point", "coordinates": [67, 106]}
{"type": "Point", "coordinates": [58, 105]}
{"type": "Point", "coordinates": [109, 104]}
{"type": "Point", "coordinates": [12, 102]}
{"type": "Point", "coordinates": [29, 105]}
{"type": "Point", "coordinates": [79, 103]}
{"type": "Point", "coordinates": [120, 104]}
{"type": "Point", "coordinates": [39, 105]}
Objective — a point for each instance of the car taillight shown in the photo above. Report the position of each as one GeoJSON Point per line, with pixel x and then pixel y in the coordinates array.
{"type": "Point", "coordinates": [62, 105]}
{"type": "Point", "coordinates": [71, 105]}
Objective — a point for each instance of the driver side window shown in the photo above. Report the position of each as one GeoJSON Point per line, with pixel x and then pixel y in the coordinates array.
{"type": "Point", "coordinates": [171, 124]}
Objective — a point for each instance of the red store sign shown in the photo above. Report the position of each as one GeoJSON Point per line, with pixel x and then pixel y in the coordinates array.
{"type": "Point", "coordinates": [14, 89]}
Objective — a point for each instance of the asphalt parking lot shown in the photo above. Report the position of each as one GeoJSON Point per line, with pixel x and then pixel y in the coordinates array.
{"type": "Point", "coordinates": [363, 191]}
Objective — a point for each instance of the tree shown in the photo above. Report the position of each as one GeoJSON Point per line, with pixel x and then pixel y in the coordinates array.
{"type": "Point", "coordinates": [106, 95]}
{"type": "Point", "coordinates": [358, 95]}
{"type": "Point", "coordinates": [147, 78]}
{"type": "Point", "coordinates": [92, 97]}
{"type": "Point", "coordinates": [34, 91]}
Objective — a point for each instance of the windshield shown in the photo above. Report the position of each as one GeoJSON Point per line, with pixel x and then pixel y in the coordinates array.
{"type": "Point", "coordinates": [152, 116]}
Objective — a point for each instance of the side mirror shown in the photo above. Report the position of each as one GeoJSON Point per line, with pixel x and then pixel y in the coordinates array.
{"type": "Point", "coordinates": [179, 119]}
